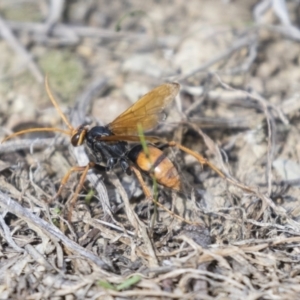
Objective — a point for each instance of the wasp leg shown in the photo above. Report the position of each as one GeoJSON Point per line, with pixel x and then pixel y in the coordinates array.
{"type": "Point", "coordinates": [67, 177]}
{"type": "Point", "coordinates": [78, 188]}
{"type": "Point", "coordinates": [204, 161]}
{"type": "Point", "coordinates": [149, 196]}
{"type": "Point", "coordinates": [110, 164]}
{"type": "Point", "coordinates": [125, 166]}
{"type": "Point", "coordinates": [142, 182]}
{"type": "Point", "coordinates": [199, 157]}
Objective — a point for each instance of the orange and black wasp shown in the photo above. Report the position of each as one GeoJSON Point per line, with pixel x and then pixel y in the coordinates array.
{"type": "Point", "coordinates": [111, 145]}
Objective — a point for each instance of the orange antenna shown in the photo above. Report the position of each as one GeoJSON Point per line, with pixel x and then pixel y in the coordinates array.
{"type": "Point", "coordinates": [35, 130]}
{"type": "Point", "coordinates": [54, 102]}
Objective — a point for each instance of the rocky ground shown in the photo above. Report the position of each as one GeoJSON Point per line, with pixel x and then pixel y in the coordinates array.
{"type": "Point", "coordinates": [234, 236]}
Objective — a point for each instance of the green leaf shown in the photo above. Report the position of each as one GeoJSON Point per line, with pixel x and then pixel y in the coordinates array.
{"type": "Point", "coordinates": [106, 285]}
{"type": "Point", "coordinates": [89, 196]}
{"type": "Point", "coordinates": [129, 282]}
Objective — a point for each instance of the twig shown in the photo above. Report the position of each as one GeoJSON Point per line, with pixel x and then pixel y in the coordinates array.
{"type": "Point", "coordinates": [83, 101]}
{"type": "Point", "coordinates": [135, 222]}
{"type": "Point", "coordinates": [113, 226]}
{"type": "Point", "coordinates": [7, 35]}
{"type": "Point", "coordinates": [62, 30]}
{"type": "Point", "coordinates": [247, 63]}
{"type": "Point", "coordinates": [265, 199]}
{"type": "Point", "coordinates": [25, 214]}
{"type": "Point", "coordinates": [55, 11]}
{"type": "Point", "coordinates": [271, 133]}
{"type": "Point", "coordinates": [239, 97]}
{"type": "Point", "coordinates": [143, 294]}
{"type": "Point", "coordinates": [280, 9]}
{"type": "Point", "coordinates": [290, 32]}
{"type": "Point", "coordinates": [7, 234]}
{"type": "Point", "coordinates": [38, 257]}
{"type": "Point", "coordinates": [260, 9]}
{"type": "Point", "coordinates": [243, 42]}
{"type": "Point", "coordinates": [224, 170]}
{"type": "Point", "coordinates": [15, 145]}
{"type": "Point", "coordinates": [77, 118]}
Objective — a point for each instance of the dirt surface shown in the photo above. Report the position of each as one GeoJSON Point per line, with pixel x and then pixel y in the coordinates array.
{"type": "Point", "coordinates": [232, 235]}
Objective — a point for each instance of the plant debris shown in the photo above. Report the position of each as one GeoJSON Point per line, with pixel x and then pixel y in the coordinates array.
{"type": "Point", "coordinates": [238, 66]}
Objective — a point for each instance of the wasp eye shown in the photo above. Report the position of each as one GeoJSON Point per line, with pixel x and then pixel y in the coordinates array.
{"type": "Point", "coordinates": [79, 136]}
{"type": "Point", "coordinates": [75, 139]}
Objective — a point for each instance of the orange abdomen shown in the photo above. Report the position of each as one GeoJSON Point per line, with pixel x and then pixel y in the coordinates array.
{"type": "Point", "coordinates": [157, 164]}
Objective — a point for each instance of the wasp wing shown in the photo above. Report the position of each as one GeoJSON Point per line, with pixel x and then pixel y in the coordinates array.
{"type": "Point", "coordinates": [130, 138]}
{"type": "Point", "coordinates": [147, 111]}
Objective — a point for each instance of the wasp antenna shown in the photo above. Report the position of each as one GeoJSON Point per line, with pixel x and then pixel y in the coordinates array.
{"type": "Point", "coordinates": [36, 130]}
{"type": "Point", "coordinates": [54, 102]}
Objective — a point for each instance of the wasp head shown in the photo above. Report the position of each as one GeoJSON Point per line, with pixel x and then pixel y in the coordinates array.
{"type": "Point", "coordinates": [79, 135]}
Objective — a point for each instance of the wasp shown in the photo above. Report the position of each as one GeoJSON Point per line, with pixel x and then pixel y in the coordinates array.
{"type": "Point", "coordinates": [111, 145]}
